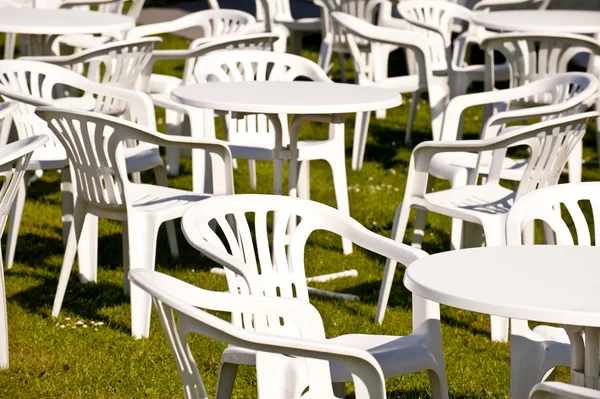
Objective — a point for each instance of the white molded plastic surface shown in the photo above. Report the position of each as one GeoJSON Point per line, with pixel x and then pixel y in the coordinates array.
{"type": "Point", "coordinates": [103, 190]}
{"type": "Point", "coordinates": [560, 390]}
{"type": "Point", "coordinates": [556, 21]}
{"type": "Point", "coordinates": [267, 266]}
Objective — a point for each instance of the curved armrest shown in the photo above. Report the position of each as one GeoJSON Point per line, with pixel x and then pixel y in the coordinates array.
{"type": "Point", "coordinates": [560, 390]}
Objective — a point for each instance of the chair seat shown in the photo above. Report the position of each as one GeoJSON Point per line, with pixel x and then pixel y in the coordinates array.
{"type": "Point", "coordinates": [446, 165]}
{"type": "Point", "coordinates": [396, 355]}
{"type": "Point", "coordinates": [48, 158]}
{"type": "Point", "coordinates": [168, 203]}
{"type": "Point", "coordinates": [471, 203]}
{"type": "Point", "coordinates": [163, 83]}
{"type": "Point", "coordinates": [302, 24]}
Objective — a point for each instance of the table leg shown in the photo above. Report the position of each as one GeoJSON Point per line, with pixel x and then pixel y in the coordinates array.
{"type": "Point", "coordinates": [585, 357]}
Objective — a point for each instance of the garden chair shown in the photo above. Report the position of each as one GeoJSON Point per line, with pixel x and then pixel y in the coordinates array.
{"type": "Point", "coordinates": [484, 206]}
{"type": "Point", "coordinates": [560, 390]}
{"type": "Point", "coordinates": [93, 143]}
{"type": "Point", "coordinates": [535, 352]}
{"type": "Point", "coordinates": [34, 84]}
{"type": "Point", "coordinates": [252, 137]}
{"type": "Point", "coordinates": [567, 93]}
{"type": "Point", "coordinates": [423, 81]}
{"type": "Point", "coordinates": [436, 20]}
{"type": "Point", "coordinates": [177, 115]}
{"type": "Point", "coordinates": [263, 266]}
{"type": "Point", "coordinates": [278, 15]}
{"type": "Point", "coordinates": [13, 162]}
{"type": "Point", "coordinates": [286, 364]}
{"type": "Point", "coordinates": [532, 56]}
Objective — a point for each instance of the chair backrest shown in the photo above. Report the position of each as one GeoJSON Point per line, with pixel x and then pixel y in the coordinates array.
{"type": "Point", "coordinates": [254, 65]}
{"type": "Point", "coordinates": [272, 263]}
{"type": "Point", "coordinates": [285, 366]}
{"type": "Point", "coordinates": [279, 9]}
{"type": "Point", "coordinates": [495, 5]}
{"type": "Point", "coordinates": [357, 30]}
{"type": "Point", "coordinates": [14, 158]}
{"type": "Point", "coordinates": [560, 390]}
{"type": "Point", "coordinates": [212, 22]}
{"type": "Point", "coordinates": [531, 56]}
{"type": "Point", "coordinates": [550, 144]}
{"type": "Point", "coordinates": [362, 9]}
{"type": "Point", "coordinates": [33, 84]}
{"type": "Point", "coordinates": [544, 205]}
{"type": "Point", "coordinates": [436, 19]}
{"type": "Point", "coordinates": [117, 64]}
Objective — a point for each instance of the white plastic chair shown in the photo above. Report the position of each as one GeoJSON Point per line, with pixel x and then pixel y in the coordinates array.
{"type": "Point", "coordinates": [566, 94]}
{"type": "Point", "coordinates": [286, 364]}
{"type": "Point", "coordinates": [334, 40]}
{"type": "Point", "coordinates": [13, 162]}
{"type": "Point", "coordinates": [34, 84]}
{"type": "Point", "coordinates": [263, 266]}
{"type": "Point", "coordinates": [252, 137]}
{"type": "Point", "coordinates": [178, 116]}
{"type": "Point", "coordinates": [535, 352]}
{"type": "Point", "coordinates": [560, 390]}
{"type": "Point", "coordinates": [532, 56]}
{"type": "Point", "coordinates": [436, 19]}
{"type": "Point", "coordinates": [485, 205]}
{"type": "Point", "coordinates": [493, 5]}
{"type": "Point", "coordinates": [93, 143]}
{"type": "Point", "coordinates": [278, 15]}
{"type": "Point", "coordinates": [436, 87]}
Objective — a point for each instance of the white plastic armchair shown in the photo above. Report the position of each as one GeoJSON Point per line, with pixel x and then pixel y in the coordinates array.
{"type": "Point", "coordinates": [532, 56]}
{"type": "Point", "coordinates": [286, 365]}
{"type": "Point", "coordinates": [13, 162]}
{"type": "Point", "coordinates": [560, 390]}
{"type": "Point", "coordinates": [436, 19]}
{"type": "Point", "coordinates": [93, 143]}
{"type": "Point", "coordinates": [535, 352]}
{"type": "Point", "coordinates": [493, 5]}
{"type": "Point", "coordinates": [116, 64]}
{"type": "Point", "coordinates": [436, 87]}
{"type": "Point", "coordinates": [278, 17]}
{"type": "Point", "coordinates": [178, 117]}
{"type": "Point", "coordinates": [258, 261]}
{"type": "Point", "coordinates": [566, 94]}
{"type": "Point", "coordinates": [485, 205]}
{"type": "Point", "coordinates": [35, 84]}
{"type": "Point", "coordinates": [252, 137]}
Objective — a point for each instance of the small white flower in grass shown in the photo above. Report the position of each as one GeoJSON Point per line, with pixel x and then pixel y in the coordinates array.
{"type": "Point", "coordinates": [371, 178]}
{"type": "Point", "coordinates": [100, 323]}
{"type": "Point", "coordinates": [389, 186]}
{"type": "Point", "coordinates": [62, 326]}
{"type": "Point", "coordinates": [74, 327]}
{"type": "Point", "coordinates": [394, 143]}
{"type": "Point", "coordinates": [160, 121]}
{"type": "Point", "coordinates": [356, 190]}
{"type": "Point", "coordinates": [85, 326]}
{"type": "Point", "coordinates": [79, 323]}
{"type": "Point", "coordinates": [57, 324]}
{"type": "Point", "coordinates": [393, 171]}
{"type": "Point", "coordinates": [193, 270]}
{"type": "Point", "coordinates": [396, 189]}
{"type": "Point", "coordinates": [95, 329]}
{"type": "Point", "coordinates": [374, 223]}
{"type": "Point", "coordinates": [67, 318]}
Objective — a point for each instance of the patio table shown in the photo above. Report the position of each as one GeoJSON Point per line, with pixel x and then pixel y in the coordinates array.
{"type": "Point", "coordinates": [42, 25]}
{"type": "Point", "coordinates": [307, 101]}
{"type": "Point", "coordinates": [553, 284]}
{"type": "Point", "coordinates": [555, 21]}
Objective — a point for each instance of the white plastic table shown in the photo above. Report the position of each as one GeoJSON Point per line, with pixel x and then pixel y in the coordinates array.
{"type": "Point", "coordinates": [553, 284]}
{"type": "Point", "coordinates": [42, 25]}
{"type": "Point", "coordinates": [555, 21]}
{"type": "Point", "coordinates": [307, 101]}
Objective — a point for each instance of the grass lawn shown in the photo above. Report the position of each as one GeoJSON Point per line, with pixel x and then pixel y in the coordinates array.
{"type": "Point", "coordinates": [52, 358]}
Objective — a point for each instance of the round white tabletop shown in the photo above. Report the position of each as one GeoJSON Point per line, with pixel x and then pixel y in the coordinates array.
{"type": "Point", "coordinates": [302, 98]}
{"type": "Point", "coordinates": [555, 21]}
{"type": "Point", "coordinates": [43, 21]}
{"type": "Point", "coordinates": [556, 284]}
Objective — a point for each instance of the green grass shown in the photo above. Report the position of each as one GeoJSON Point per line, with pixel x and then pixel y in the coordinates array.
{"type": "Point", "coordinates": [48, 361]}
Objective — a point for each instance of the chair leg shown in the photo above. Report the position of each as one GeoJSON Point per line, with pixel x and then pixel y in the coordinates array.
{"type": "Point", "coordinates": [252, 173]}
{"type": "Point", "coordinates": [226, 380]}
{"type": "Point", "coordinates": [304, 180]}
{"type": "Point", "coordinates": [361, 129]}
{"type": "Point", "coordinates": [3, 324]}
{"type": "Point", "coordinates": [340, 183]}
{"type": "Point", "coordinates": [400, 222]}
{"type": "Point", "coordinates": [136, 177]}
{"type": "Point", "coordinates": [325, 54]}
{"type": "Point", "coordinates": [87, 250]}
{"type": "Point", "coordinates": [494, 236]}
{"type": "Point", "coordinates": [575, 161]}
{"type": "Point", "coordinates": [79, 216]}
{"type": "Point", "coordinates": [412, 113]}
{"type": "Point", "coordinates": [173, 121]}
{"type": "Point", "coordinates": [141, 240]}
{"type": "Point", "coordinates": [14, 223]}
{"type": "Point", "coordinates": [67, 192]}
{"type": "Point", "coordinates": [160, 174]}
{"type": "Point", "coordinates": [9, 46]}
{"type": "Point", "coordinates": [419, 228]}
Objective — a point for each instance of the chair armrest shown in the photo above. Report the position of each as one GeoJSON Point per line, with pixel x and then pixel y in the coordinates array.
{"type": "Point", "coordinates": [70, 4]}
{"type": "Point", "coordinates": [560, 390]}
